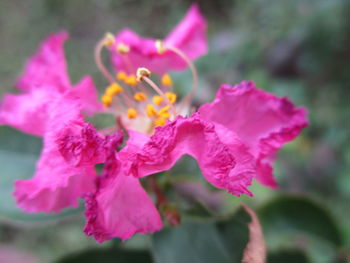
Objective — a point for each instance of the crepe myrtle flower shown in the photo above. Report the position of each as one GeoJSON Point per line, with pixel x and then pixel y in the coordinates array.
{"type": "Point", "coordinates": [234, 139]}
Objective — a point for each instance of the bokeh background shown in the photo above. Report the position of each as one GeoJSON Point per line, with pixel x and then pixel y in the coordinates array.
{"type": "Point", "coordinates": [297, 48]}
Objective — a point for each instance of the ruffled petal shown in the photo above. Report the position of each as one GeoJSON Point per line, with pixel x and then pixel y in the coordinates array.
{"type": "Point", "coordinates": [80, 144]}
{"type": "Point", "coordinates": [56, 183]}
{"type": "Point", "coordinates": [120, 207]}
{"type": "Point", "coordinates": [47, 67]}
{"type": "Point", "coordinates": [262, 121]}
{"type": "Point", "coordinates": [225, 166]}
{"type": "Point", "coordinates": [27, 112]}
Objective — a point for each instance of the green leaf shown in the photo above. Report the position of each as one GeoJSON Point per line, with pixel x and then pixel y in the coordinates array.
{"type": "Point", "coordinates": [18, 155]}
{"type": "Point", "coordinates": [115, 255]}
{"type": "Point", "coordinates": [235, 233]}
{"type": "Point", "coordinates": [202, 241]}
{"type": "Point", "coordinates": [298, 214]}
{"type": "Point", "coordinates": [288, 256]}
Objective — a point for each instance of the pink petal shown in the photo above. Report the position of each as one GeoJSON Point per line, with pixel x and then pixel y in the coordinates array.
{"type": "Point", "coordinates": [47, 67]}
{"type": "Point", "coordinates": [120, 207]}
{"type": "Point", "coordinates": [189, 36]}
{"type": "Point", "coordinates": [45, 79]}
{"type": "Point", "coordinates": [261, 121]}
{"type": "Point", "coordinates": [56, 183]}
{"type": "Point", "coordinates": [142, 53]}
{"type": "Point", "coordinates": [86, 91]}
{"type": "Point", "coordinates": [27, 112]}
{"type": "Point", "coordinates": [80, 144]}
{"type": "Point", "coordinates": [225, 166]}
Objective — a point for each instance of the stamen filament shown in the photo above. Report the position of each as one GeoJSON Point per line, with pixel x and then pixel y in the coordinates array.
{"type": "Point", "coordinates": [98, 50]}
{"type": "Point", "coordinates": [159, 91]}
{"type": "Point", "coordinates": [188, 98]}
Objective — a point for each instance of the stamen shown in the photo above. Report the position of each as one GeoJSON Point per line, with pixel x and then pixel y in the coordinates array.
{"type": "Point", "coordinates": [171, 97]}
{"type": "Point", "coordinates": [108, 40]}
{"type": "Point", "coordinates": [131, 80]}
{"type": "Point", "coordinates": [106, 100]}
{"type": "Point", "coordinates": [166, 80]}
{"type": "Point", "coordinates": [150, 110]}
{"type": "Point", "coordinates": [160, 121]}
{"type": "Point", "coordinates": [121, 75]}
{"type": "Point", "coordinates": [164, 112]}
{"type": "Point", "coordinates": [164, 109]}
{"type": "Point", "coordinates": [123, 48]}
{"type": "Point", "coordinates": [141, 73]}
{"type": "Point", "coordinates": [113, 89]}
{"type": "Point", "coordinates": [160, 47]}
{"type": "Point", "coordinates": [188, 98]}
{"type": "Point", "coordinates": [157, 100]}
{"type": "Point", "coordinates": [132, 113]}
{"type": "Point", "coordinates": [140, 96]}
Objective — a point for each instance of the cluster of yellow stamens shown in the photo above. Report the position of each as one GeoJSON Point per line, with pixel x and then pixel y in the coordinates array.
{"type": "Point", "coordinates": [137, 100]}
{"type": "Point", "coordinates": [157, 108]}
{"type": "Point", "coordinates": [127, 79]}
{"type": "Point", "coordinates": [110, 92]}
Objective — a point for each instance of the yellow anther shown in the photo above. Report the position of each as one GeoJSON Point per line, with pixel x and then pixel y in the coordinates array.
{"type": "Point", "coordinates": [123, 48]}
{"type": "Point", "coordinates": [140, 96]}
{"type": "Point", "coordinates": [131, 80]}
{"type": "Point", "coordinates": [160, 121]}
{"type": "Point", "coordinates": [160, 46]}
{"type": "Point", "coordinates": [106, 100]}
{"type": "Point", "coordinates": [150, 110]}
{"type": "Point", "coordinates": [142, 72]}
{"type": "Point", "coordinates": [109, 40]}
{"type": "Point", "coordinates": [164, 109]}
{"type": "Point", "coordinates": [132, 113]}
{"type": "Point", "coordinates": [113, 89]}
{"type": "Point", "coordinates": [157, 100]}
{"type": "Point", "coordinates": [166, 80]}
{"type": "Point", "coordinates": [171, 97]}
{"type": "Point", "coordinates": [164, 114]}
{"type": "Point", "coordinates": [121, 75]}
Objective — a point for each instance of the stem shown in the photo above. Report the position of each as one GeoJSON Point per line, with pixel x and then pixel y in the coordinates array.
{"type": "Point", "coordinates": [161, 198]}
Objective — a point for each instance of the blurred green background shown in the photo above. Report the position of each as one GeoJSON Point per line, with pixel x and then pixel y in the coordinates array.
{"type": "Point", "coordinates": [298, 48]}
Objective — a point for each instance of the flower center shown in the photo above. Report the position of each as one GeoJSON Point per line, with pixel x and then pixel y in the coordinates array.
{"type": "Point", "coordinates": [133, 97]}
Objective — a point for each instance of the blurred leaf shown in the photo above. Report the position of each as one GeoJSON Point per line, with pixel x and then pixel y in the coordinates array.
{"type": "Point", "coordinates": [18, 155]}
{"type": "Point", "coordinates": [10, 254]}
{"type": "Point", "coordinates": [288, 256]}
{"type": "Point", "coordinates": [196, 241]}
{"type": "Point", "coordinates": [298, 214]}
{"type": "Point", "coordinates": [108, 256]}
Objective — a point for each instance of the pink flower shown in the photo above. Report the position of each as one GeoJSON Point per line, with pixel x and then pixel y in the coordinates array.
{"type": "Point", "coordinates": [234, 139]}
{"type": "Point", "coordinates": [43, 80]}
{"type": "Point", "coordinates": [131, 51]}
